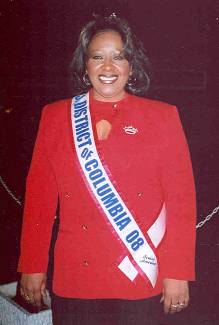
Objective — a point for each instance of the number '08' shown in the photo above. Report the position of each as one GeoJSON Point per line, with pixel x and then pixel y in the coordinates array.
{"type": "Point", "coordinates": [134, 239]}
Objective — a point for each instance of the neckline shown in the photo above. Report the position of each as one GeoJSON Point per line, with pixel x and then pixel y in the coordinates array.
{"type": "Point", "coordinates": [113, 104]}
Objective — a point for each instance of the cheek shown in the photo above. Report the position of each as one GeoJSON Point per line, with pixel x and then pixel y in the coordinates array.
{"type": "Point", "coordinates": [91, 69]}
{"type": "Point", "coordinates": [89, 65]}
{"type": "Point", "coordinates": [127, 72]}
{"type": "Point", "coordinates": [126, 69]}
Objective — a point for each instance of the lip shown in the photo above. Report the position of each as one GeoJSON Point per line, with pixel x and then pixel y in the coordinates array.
{"type": "Point", "coordinates": [107, 79]}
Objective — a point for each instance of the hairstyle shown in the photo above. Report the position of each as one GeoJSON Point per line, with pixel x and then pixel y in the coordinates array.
{"type": "Point", "coordinates": [134, 52]}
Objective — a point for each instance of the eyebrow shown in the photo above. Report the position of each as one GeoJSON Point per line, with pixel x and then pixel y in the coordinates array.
{"type": "Point", "coordinates": [100, 51]}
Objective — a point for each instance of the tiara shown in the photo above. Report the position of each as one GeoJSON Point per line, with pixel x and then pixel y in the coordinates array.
{"type": "Point", "coordinates": [111, 16]}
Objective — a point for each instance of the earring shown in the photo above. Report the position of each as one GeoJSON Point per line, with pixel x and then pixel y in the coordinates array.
{"type": "Point", "coordinates": [131, 81]}
{"type": "Point", "coordinates": [86, 79]}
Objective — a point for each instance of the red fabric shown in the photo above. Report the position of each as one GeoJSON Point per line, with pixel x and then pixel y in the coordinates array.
{"type": "Point", "coordinates": [148, 168]}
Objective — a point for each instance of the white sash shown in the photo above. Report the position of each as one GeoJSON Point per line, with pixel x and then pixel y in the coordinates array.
{"type": "Point", "coordinates": [109, 199]}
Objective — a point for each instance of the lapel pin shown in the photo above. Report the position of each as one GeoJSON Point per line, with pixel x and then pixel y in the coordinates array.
{"type": "Point", "coordinates": [130, 129]}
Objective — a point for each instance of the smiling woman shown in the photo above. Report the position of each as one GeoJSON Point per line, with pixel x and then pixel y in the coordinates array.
{"type": "Point", "coordinates": [107, 67]}
{"type": "Point", "coordinates": [126, 48]}
{"type": "Point", "coordinates": [121, 170]}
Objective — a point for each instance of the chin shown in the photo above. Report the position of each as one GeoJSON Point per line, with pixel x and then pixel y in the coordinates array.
{"type": "Point", "coordinates": [110, 95]}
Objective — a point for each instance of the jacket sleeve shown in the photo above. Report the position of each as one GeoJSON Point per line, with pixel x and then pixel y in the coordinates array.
{"type": "Point", "coordinates": [40, 207]}
{"type": "Point", "coordinates": [177, 255]}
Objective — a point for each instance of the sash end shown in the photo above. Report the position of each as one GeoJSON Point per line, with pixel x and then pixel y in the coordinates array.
{"type": "Point", "coordinates": [128, 268]}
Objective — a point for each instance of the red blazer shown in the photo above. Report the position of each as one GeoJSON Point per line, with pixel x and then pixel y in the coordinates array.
{"type": "Point", "coordinates": [148, 168]}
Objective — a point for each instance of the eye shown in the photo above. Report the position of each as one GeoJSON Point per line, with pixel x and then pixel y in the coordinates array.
{"type": "Point", "coordinates": [118, 57]}
{"type": "Point", "coordinates": [97, 57]}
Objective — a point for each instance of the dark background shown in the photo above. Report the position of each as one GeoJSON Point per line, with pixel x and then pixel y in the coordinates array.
{"type": "Point", "coordinates": [181, 37]}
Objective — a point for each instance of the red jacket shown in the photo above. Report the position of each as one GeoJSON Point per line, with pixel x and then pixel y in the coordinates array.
{"type": "Point", "coordinates": [147, 168]}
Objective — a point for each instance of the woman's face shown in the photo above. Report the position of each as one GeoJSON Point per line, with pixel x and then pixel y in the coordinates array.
{"type": "Point", "coordinates": [107, 67]}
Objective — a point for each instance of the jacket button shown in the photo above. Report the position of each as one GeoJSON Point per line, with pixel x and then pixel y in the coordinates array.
{"type": "Point", "coordinates": [139, 194]}
{"type": "Point", "coordinates": [67, 194]}
{"type": "Point", "coordinates": [84, 227]}
{"type": "Point", "coordinates": [86, 263]}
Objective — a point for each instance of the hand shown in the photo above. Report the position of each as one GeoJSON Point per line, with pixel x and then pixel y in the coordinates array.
{"type": "Point", "coordinates": [33, 288]}
{"type": "Point", "coordinates": [175, 295]}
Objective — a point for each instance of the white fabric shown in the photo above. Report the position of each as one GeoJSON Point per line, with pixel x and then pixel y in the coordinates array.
{"type": "Point", "coordinates": [157, 230]}
{"type": "Point", "coordinates": [128, 268]}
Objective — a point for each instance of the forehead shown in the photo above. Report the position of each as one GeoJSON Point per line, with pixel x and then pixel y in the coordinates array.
{"type": "Point", "coordinates": [106, 39]}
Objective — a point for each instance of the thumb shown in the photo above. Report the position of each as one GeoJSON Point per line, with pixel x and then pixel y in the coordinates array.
{"type": "Point", "coordinates": [162, 299]}
{"type": "Point", "coordinates": [43, 290]}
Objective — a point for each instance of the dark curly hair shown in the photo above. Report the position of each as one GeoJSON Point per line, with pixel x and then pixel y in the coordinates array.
{"type": "Point", "coordinates": [134, 52]}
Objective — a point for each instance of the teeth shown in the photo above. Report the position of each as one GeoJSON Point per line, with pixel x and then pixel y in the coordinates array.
{"type": "Point", "coordinates": [108, 78]}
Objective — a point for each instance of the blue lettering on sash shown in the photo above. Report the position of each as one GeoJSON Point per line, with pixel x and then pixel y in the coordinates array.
{"type": "Point", "coordinates": [120, 216]}
{"type": "Point", "coordinates": [81, 123]}
{"type": "Point", "coordinates": [78, 97]}
{"type": "Point", "coordinates": [99, 181]}
{"type": "Point", "coordinates": [89, 142]}
{"type": "Point", "coordinates": [81, 126]}
{"type": "Point", "coordinates": [96, 173]}
{"type": "Point", "coordinates": [123, 223]}
{"type": "Point", "coordinates": [81, 132]}
{"type": "Point", "coordinates": [103, 190]}
{"type": "Point", "coordinates": [82, 119]}
{"type": "Point", "coordinates": [79, 112]}
{"type": "Point", "coordinates": [109, 200]}
{"type": "Point", "coordinates": [115, 210]}
{"type": "Point", "coordinates": [80, 105]}
{"type": "Point", "coordinates": [85, 135]}
{"type": "Point", "coordinates": [91, 164]}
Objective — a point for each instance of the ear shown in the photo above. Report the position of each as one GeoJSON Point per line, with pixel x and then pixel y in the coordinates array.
{"type": "Point", "coordinates": [130, 72]}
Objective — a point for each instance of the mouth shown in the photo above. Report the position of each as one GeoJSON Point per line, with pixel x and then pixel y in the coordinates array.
{"type": "Point", "coordinates": [107, 79]}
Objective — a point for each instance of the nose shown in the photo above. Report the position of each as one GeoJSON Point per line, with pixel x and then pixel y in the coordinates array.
{"type": "Point", "coordinates": [107, 64]}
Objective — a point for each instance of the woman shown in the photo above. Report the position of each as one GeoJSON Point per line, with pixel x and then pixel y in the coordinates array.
{"type": "Point", "coordinates": [120, 166]}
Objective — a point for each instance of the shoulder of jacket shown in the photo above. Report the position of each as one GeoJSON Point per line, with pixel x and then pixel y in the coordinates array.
{"type": "Point", "coordinates": [158, 115]}
{"type": "Point", "coordinates": [152, 104]}
{"type": "Point", "coordinates": [57, 108]}
{"type": "Point", "coordinates": [157, 111]}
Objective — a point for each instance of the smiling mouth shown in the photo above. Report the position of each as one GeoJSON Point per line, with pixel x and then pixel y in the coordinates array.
{"type": "Point", "coordinates": [107, 79]}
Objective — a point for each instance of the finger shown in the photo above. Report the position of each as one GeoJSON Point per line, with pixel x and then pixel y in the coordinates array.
{"type": "Point", "coordinates": [167, 303]}
{"type": "Point", "coordinates": [186, 301]}
{"type": "Point", "coordinates": [43, 290]}
{"type": "Point", "coordinates": [183, 301]}
{"type": "Point", "coordinates": [173, 309]}
{"type": "Point", "coordinates": [162, 299]}
{"type": "Point", "coordinates": [174, 306]}
{"type": "Point", "coordinates": [32, 296]}
{"type": "Point", "coordinates": [21, 291]}
{"type": "Point", "coordinates": [180, 307]}
{"type": "Point", "coordinates": [28, 297]}
{"type": "Point", "coordinates": [183, 304]}
{"type": "Point", "coordinates": [37, 299]}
